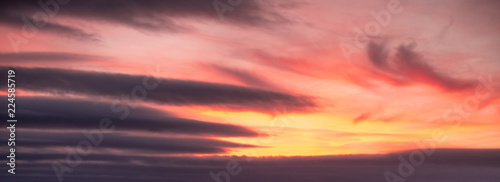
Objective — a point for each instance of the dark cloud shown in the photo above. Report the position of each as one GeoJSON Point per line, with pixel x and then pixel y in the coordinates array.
{"type": "Point", "coordinates": [409, 67]}
{"type": "Point", "coordinates": [412, 63]}
{"type": "Point", "coordinates": [169, 91]}
{"type": "Point", "coordinates": [152, 15]}
{"type": "Point", "coordinates": [52, 113]}
{"type": "Point", "coordinates": [46, 141]}
{"type": "Point", "coordinates": [443, 165]}
{"type": "Point", "coordinates": [47, 57]}
{"type": "Point", "coordinates": [378, 55]}
{"type": "Point", "coordinates": [157, 14]}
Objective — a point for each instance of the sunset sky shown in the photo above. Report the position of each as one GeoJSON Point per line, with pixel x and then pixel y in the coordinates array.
{"type": "Point", "coordinates": [256, 78]}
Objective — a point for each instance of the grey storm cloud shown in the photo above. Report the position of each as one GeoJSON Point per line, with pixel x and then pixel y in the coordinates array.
{"type": "Point", "coordinates": [169, 91]}
{"type": "Point", "coordinates": [443, 165]}
{"type": "Point", "coordinates": [56, 113]}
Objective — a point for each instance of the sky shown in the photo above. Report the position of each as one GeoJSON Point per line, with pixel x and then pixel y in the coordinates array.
{"type": "Point", "coordinates": [190, 85]}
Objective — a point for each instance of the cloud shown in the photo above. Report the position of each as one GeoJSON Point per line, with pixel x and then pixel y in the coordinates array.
{"type": "Point", "coordinates": [169, 91]}
{"type": "Point", "coordinates": [16, 21]}
{"type": "Point", "coordinates": [312, 64]}
{"type": "Point", "coordinates": [294, 65]}
{"type": "Point", "coordinates": [378, 55]}
{"type": "Point", "coordinates": [47, 57]}
{"type": "Point", "coordinates": [409, 67]}
{"type": "Point", "coordinates": [45, 141]}
{"type": "Point", "coordinates": [241, 75]}
{"type": "Point", "coordinates": [153, 15]}
{"type": "Point", "coordinates": [443, 165]}
{"type": "Point", "coordinates": [398, 66]}
{"type": "Point", "coordinates": [56, 113]}
{"type": "Point", "coordinates": [361, 117]}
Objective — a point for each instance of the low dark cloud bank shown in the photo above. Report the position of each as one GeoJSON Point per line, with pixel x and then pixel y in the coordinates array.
{"type": "Point", "coordinates": [443, 166]}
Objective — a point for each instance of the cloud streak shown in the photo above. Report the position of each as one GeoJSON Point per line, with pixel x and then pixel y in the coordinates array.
{"type": "Point", "coordinates": [169, 91]}
{"type": "Point", "coordinates": [154, 15]}
{"type": "Point", "coordinates": [242, 76]}
{"type": "Point", "coordinates": [48, 141]}
{"type": "Point", "coordinates": [17, 21]}
{"type": "Point", "coordinates": [409, 67]}
{"type": "Point", "coordinates": [64, 114]}
{"type": "Point", "coordinates": [33, 57]}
